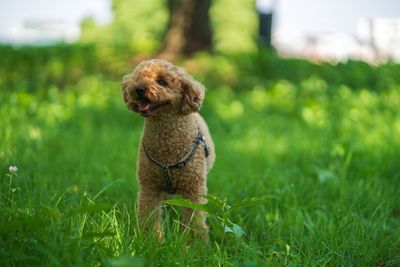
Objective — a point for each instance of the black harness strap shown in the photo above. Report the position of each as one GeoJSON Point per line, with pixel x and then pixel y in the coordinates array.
{"type": "Point", "coordinates": [165, 167]}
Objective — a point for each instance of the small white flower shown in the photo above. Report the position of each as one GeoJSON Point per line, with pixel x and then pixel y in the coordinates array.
{"type": "Point", "coordinates": [13, 169]}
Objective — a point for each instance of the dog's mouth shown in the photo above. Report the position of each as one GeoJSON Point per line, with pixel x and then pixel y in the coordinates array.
{"type": "Point", "coordinates": [146, 107]}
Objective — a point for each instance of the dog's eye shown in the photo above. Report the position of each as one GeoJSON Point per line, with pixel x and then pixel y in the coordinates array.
{"type": "Point", "coordinates": [161, 82]}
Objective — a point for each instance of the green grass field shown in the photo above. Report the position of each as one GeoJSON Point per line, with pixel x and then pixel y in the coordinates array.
{"type": "Point", "coordinates": [322, 157]}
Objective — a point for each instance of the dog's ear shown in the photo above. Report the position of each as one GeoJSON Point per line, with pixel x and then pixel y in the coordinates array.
{"type": "Point", "coordinates": [192, 95]}
{"type": "Point", "coordinates": [126, 81]}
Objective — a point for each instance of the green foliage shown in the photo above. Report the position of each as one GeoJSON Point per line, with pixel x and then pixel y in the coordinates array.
{"type": "Point", "coordinates": [314, 146]}
{"type": "Point", "coordinates": [234, 25]}
{"type": "Point", "coordinates": [138, 26]}
{"type": "Point", "coordinates": [243, 70]}
{"type": "Point", "coordinates": [36, 68]}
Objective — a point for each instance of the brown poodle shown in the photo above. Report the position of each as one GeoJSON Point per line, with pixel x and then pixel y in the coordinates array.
{"type": "Point", "coordinates": [176, 150]}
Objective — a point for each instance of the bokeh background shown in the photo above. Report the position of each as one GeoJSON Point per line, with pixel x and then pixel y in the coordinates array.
{"type": "Point", "coordinates": [308, 123]}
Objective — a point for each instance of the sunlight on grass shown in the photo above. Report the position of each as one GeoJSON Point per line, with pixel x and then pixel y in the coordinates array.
{"type": "Point", "coordinates": [257, 142]}
{"type": "Point", "coordinates": [314, 115]}
{"type": "Point", "coordinates": [324, 156]}
{"type": "Point", "coordinates": [230, 111]}
{"type": "Point", "coordinates": [35, 133]}
{"type": "Point", "coordinates": [281, 96]}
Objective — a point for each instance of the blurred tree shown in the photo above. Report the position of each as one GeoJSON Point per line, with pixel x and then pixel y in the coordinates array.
{"type": "Point", "coordinates": [179, 27]}
{"type": "Point", "coordinates": [189, 28]}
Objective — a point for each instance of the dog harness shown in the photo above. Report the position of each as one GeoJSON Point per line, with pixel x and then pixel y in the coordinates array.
{"type": "Point", "coordinates": [166, 167]}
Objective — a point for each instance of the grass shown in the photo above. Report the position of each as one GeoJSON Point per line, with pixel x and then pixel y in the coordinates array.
{"type": "Point", "coordinates": [325, 157]}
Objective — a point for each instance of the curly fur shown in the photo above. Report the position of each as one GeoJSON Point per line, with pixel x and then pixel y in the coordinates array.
{"type": "Point", "coordinates": [168, 133]}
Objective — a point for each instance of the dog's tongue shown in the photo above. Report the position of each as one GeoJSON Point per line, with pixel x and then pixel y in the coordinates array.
{"type": "Point", "coordinates": [143, 107]}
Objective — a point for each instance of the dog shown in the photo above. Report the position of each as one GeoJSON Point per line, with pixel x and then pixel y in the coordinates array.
{"type": "Point", "coordinates": [176, 151]}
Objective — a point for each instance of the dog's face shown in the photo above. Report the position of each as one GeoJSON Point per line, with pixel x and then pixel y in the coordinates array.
{"type": "Point", "coordinates": [157, 86]}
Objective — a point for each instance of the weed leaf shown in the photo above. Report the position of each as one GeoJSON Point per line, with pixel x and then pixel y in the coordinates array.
{"type": "Point", "coordinates": [234, 229]}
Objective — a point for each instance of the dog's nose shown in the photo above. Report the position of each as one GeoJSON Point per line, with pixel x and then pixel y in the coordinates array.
{"type": "Point", "coordinates": [140, 90]}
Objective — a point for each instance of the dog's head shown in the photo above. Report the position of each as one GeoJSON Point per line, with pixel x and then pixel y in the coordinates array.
{"type": "Point", "coordinates": [157, 86]}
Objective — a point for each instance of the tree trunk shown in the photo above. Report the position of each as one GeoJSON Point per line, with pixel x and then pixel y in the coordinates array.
{"type": "Point", "coordinates": [189, 29]}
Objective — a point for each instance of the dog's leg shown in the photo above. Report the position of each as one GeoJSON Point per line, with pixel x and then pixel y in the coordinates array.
{"type": "Point", "coordinates": [150, 211]}
{"type": "Point", "coordinates": [195, 221]}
